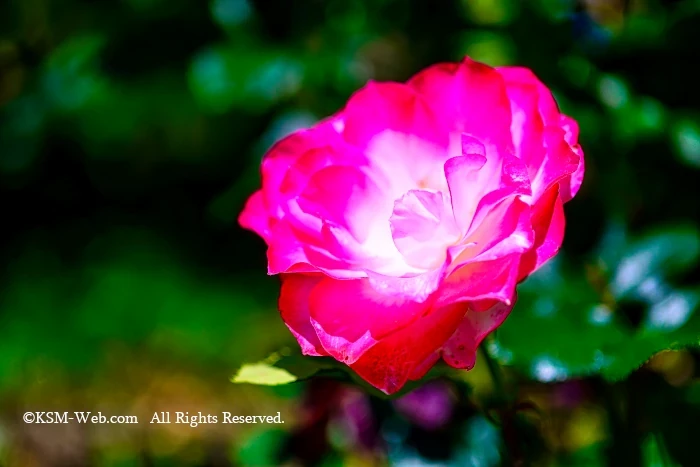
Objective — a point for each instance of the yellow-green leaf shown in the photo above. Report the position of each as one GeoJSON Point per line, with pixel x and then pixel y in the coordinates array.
{"type": "Point", "coordinates": [263, 374]}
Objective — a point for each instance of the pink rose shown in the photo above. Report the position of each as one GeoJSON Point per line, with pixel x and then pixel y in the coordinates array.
{"type": "Point", "coordinates": [402, 224]}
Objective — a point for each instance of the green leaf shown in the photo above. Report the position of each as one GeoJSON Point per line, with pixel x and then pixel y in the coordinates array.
{"type": "Point", "coordinates": [566, 322]}
{"type": "Point", "coordinates": [558, 329]}
{"type": "Point", "coordinates": [289, 366]}
{"type": "Point", "coordinates": [661, 253]}
{"type": "Point", "coordinates": [673, 323]}
{"type": "Point", "coordinates": [263, 374]}
{"type": "Point", "coordinates": [280, 368]}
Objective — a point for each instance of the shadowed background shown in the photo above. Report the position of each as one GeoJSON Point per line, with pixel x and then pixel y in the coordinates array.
{"type": "Point", "coordinates": [131, 134]}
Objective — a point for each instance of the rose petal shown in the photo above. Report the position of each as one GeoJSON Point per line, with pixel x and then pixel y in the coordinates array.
{"type": "Point", "coordinates": [506, 229]}
{"type": "Point", "coordinates": [255, 217]}
{"type": "Point", "coordinates": [389, 363]}
{"type": "Point", "coordinates": [469, 184]}
{"type": "Point", "coordinates": [548, 222]}
{"type": "Point", "coordinates": [463, 94]}
{"type": "Point", "coordinates": [351, 316]}
{"type": "Point", "coordinates": [543, 138]}
{"type": "Point", "coordinates": [390, 123]}
{"type": "Point", "coordinates": [570, 187]}
{"type": "Point", "coordinates": [294, 309]}
{"type": "Point", "coordinates": [423, 226]}
{"type": "Point", "coordinates": [284, 155]}
{"type": "Point", "coordinates": [474, 281]}
{"type": "Point", "coordinates": [460, 350]}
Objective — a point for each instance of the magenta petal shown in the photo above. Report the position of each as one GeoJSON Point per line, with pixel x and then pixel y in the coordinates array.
{"type": "Point", "coordinates": [570, 187]}
{"type": "Point", "coordinates": [285, 154]}
{"type": "Point", "coordinates": [484, 280]}
{"type": "Point", "coordinates": [285, 251]}
{"type": "Point", "coordinates": [460, 350]}
{"type": "Point", "coordinates": [477, 184]}
{"type": "Point", "coordinates": [345, 196]}
{"type": "Point", "coordinates": [544, 139]}
{"type": "Point", "coordinates": [505, 229]}
{"type": "Point", "coordinates": [521, 82]}
{"type": "Point", "coordinates": [559, 163]}
{"type": "Point", "coordinates": [463, 178]}
{"type": "Point", "coordinates": [350, 316]}
{"type": "Point", "coordinates": [463, 94]}
{"type": "Point", "coordinates": [548, 222]}
{"type": "Point", "coordinates": [391, 124]}
{"type": "Point", "coordinates": [389, 363]}
{"type": "Point", "coordinates": [255, 217]}
{"type": "Point", "coordinates": [423, 226]}
{"type": "Point", "coordinates": [293, 305]}
{"type": "Point", "coordinates": [288, 253]}
{"type": "Point", "coordinates": [379, 107]}
{"type": "Point", "coordinates": [424, 367]}
{"type": "Point", "coordinates": [416, 287]}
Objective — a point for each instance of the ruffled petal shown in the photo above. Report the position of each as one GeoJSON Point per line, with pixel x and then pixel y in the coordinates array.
{"type": "Point", "coordinates": [468, 97]}
{"type": "Point", "coordinates": [522, 85]}
{"type": "Point", "coordinates": [397, 131]}
{"type": "Point", "coordinates": [285, 153]}
{"type": "Point", "coordinates": [460, 350]}
{"type": "Point", "coordinates": [351, 316]}
{"type": "Point", "coordinates": [423, 226]}
{"type": "Point", "coordinates": [559, 163]}
{"type": "Point", "coordinates": [379, 107]}
{"type": "Point", "coordinates": [348, 198]}
{"type": "Point", "coordinates": [482, 280]}
{"type": "Point", "coordinates": [543, 138]}
{"type": "Point", "coordinates": [549, 223]}
{"type": "Point", "coordinates": [570, 187]}
{"type": "Point", "coordinates": [506, 229]}
{"type": "Point", "coordinates": [389, 363]}
{"type": "Point", "coordinates": [255, 216]}
{"type": "Point", "coordinates": [466, 178]}
{"type": "Point", "coordinates": [294, 309]}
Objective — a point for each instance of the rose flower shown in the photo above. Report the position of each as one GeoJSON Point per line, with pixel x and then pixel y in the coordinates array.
{"type": "Point", "coordinates": [401, 225]}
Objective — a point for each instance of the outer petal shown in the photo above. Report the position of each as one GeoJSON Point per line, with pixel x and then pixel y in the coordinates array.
{"type": "Point", "coordinates": [548, 222]}
{"type": "Point", "coordinates": [378, 107]}
{"type": "Point", "coordinates": [463, 94]}
{"type": "Point", "coordinates": [543, 138]}
{"type": "Point", "coordinates": [389, 363]}
{"type": "Point", "coordinates": [294, 309]}
{"type": "Point", "coordinates": [570, 187]}
{"type": "Point", "coordinates": [522, 85]}
{"type": "Point", "coordinates": [559, 163]}
{"type": "Point", "coordinates": [267, 206]}
{"type": "Point", "coordinates": [284, 154]}
{"type": "Point", "coordinates": [460, 350]}
{"type": "Point", "coordinates": [346, 197]}
{"type": "Point", "coordinates": [333, 217]}
{"type": "Point", "coordinates": [255, 216]}
{"type": "Point", "coordinates": [398, 131]}
{"type": "Point", "coordinates": [351, 316]}
{"type": "Point", "coordinates": [484, 280]}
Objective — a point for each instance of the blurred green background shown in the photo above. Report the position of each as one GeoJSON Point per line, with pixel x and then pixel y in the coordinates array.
{"type": "Point", "coordinates": [131, 134]}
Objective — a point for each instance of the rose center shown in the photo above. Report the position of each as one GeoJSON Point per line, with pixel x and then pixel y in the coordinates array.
{"type": "Point", "coordinates": [423, 227]}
